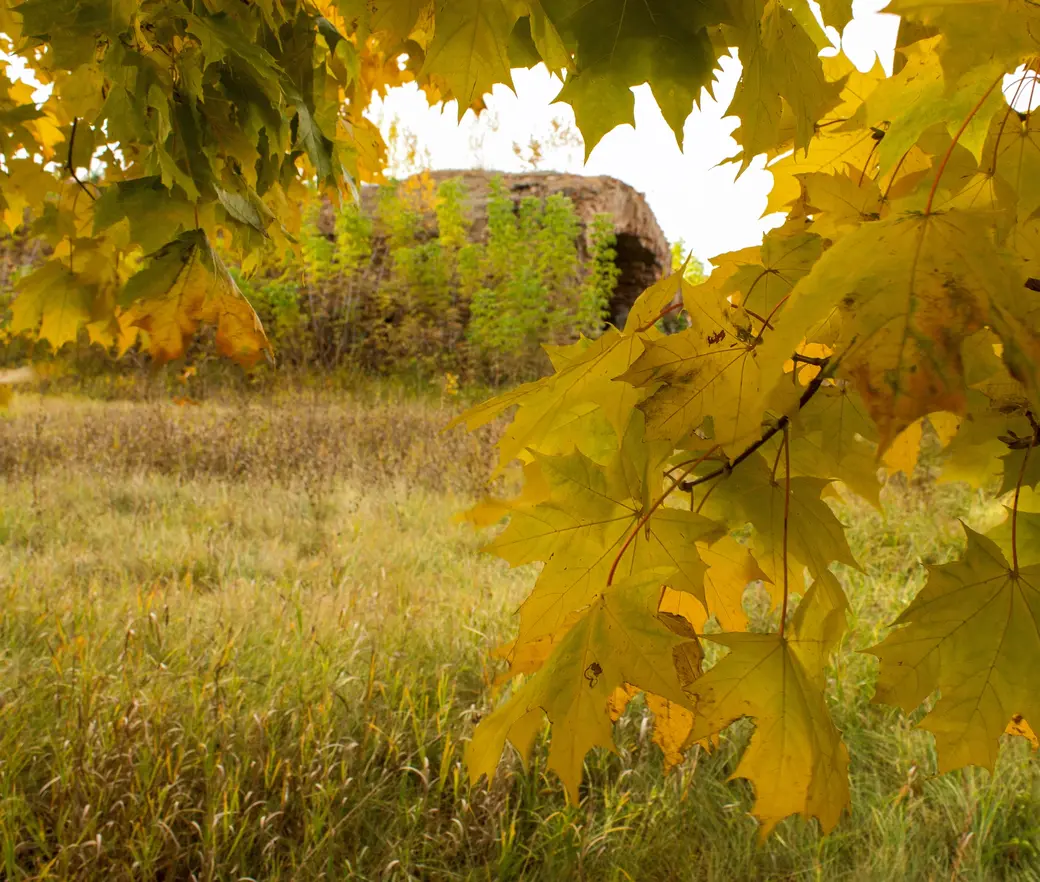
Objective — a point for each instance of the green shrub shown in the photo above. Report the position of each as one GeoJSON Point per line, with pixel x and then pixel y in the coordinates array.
{"type": "Point", "coordinates": [405, 289]}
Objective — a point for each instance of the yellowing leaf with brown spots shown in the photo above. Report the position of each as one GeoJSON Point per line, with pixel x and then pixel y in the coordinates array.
{"type": "Point", "coordinates": [710, 369]}
{"type": "Point", "coordinates": [905, 292]}
{"type": "Point", "coordinates": [185, 284]}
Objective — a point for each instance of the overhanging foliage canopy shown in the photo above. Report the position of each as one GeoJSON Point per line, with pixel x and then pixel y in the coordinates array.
{"type": "Point", "coordinates": [901, 288]}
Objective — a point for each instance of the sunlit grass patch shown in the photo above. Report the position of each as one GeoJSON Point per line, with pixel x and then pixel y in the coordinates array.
{"type": "Point", "coordinates": [218, 672]}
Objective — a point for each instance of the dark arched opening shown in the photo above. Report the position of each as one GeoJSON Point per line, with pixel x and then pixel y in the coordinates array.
{"type": "Point", "coordinates": [639, 270]}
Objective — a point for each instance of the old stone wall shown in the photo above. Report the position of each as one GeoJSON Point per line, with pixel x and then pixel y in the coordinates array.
{"type": "Point", "coordinates": [643, 252]}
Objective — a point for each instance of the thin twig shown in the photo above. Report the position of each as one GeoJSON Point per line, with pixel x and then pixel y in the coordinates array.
{"type": "Point", "coordinates": [798, 358]}
{"type": "Point", "coordinates": [807, 395]}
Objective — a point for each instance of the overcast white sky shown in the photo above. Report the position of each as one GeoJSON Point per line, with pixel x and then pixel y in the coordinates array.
{"type": "Point", "coordinates": [694, 199]}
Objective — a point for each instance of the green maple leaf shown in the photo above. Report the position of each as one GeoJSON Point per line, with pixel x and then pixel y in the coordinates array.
{"type": "Point", "coordinates": [796, 759]}
{"type": "Point", "coordinates": [602, 101]}
{"type": "Point", "coordinates": [618, 45]}
{"type": "Point", "coordinates": [470, 47]}
{"type": "Point", "coordinates": [53, 301]}
{"type": "Point", "coordinates": [780, 64]}
{"type": "Point", "coordinates": [396, 18]}
{"type": "Point", "coordinates": [1020, 466]}
{"type": "Point", "coordinates": [973, 632]}
{"type": "Point", "coordinates": [155, 214]}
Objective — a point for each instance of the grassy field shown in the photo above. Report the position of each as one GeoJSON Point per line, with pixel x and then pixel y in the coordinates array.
{"type": "Point", "coordinates": [247, 641]}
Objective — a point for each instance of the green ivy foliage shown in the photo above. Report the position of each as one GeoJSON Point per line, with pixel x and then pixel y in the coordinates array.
{"type": "Point", "coordinates": [411, 289]}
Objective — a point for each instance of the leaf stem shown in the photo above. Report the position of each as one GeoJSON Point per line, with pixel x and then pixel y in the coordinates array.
{"type": "Point", "coordinates": [704, 498]}
{"type": "Point", "coordinates": [779, 452]}
{"type": "Point", "coordinates": [766, 323]}
{"type": "Point", "coordinates": [956, 138]}
{"type": "Point", "coordinates": [1014, 507]}
{"type": "Point", "coordinates": [660, 315]}
{"type": "Point", "coordinates": [645, 518]}
{"type": "Point", "coordinates": [895, 172]}
{"type": "Point", "coordinates": [70, 167]}
{"type": "Point", "coordinates": [787, 514]}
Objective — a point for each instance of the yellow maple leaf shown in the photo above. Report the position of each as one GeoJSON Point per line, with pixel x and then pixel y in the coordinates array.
{"type": "Point", "coordinates": [584, 380]}
{"type": "Point", "coordinates": [620, 639]}
{"type": "Point", "coordinates": [702, 374]}
{"type": "Point", "coordinates": [972, 632]}
{"type": "Point", "coordinates": [904, 452]}
{"type": "Point", "coordinates": [731, 568]}
{"type": "Point", "coordinates": [753, 494]}
{"type": "Point", "coordinates": [833, 436]}
{"type": "Point", "coordinates": [796, 759]}
{"type": "Point", "coordinates": [585, 529]}
{"type": "Point", "coordinates": [905, 292]}
{"type": "Point", "coordinates": [185, 283]}
{"type": "Point", "coordinates": [55, 302]}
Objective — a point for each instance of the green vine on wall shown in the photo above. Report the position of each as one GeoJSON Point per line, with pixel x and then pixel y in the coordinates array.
{"type": "Point", "coordinates": [409, 288]}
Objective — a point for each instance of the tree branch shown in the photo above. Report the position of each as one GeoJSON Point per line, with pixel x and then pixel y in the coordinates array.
{"type": "Point", "coordinates": [767, 436]}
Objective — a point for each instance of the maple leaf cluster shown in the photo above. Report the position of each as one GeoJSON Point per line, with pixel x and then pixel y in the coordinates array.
{"type": "Point", "coordinates": [663, 473]}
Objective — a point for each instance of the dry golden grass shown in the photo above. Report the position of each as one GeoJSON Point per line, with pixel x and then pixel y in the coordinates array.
{"type": "Point", "coordinates": [303, 436]}
{"type": "Point", "coordinates": [248, 641]}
